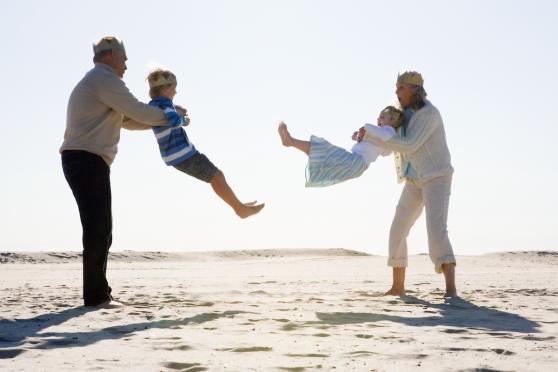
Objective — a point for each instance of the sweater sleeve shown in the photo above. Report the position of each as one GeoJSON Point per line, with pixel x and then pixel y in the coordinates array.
{"type": "Point", "coordinates": [381, 133]}
{"type": "Point", "coordinates": [117, 96]}
{"type": "Point", "coordinates": [131, 124]}
{"type": "Point", "coordinates": [423, 127]}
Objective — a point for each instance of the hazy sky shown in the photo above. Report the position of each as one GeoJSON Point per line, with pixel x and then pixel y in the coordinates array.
{"type": "Point", "coordinates": [326, 68]}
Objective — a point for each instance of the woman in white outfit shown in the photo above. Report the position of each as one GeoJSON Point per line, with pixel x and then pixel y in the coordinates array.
{"type": "Point", "coordinates": [423, 162]}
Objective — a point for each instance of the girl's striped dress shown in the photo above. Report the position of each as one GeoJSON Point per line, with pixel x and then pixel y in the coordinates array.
{"type": "Point", "coordinates": [329, 164]}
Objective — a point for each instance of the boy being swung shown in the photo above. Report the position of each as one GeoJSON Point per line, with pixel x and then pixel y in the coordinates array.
{"type": "Point", "coordinates": [177, 150]}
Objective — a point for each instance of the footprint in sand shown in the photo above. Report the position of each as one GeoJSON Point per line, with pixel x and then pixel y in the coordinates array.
{"type": "Point", "coordinates": [175, 347]}
{"type": "Point", "coordinates": [535, 338]}
{"type": "Point", "coordinates": [247, 349]}
{"type": "Point", "coordinates": [290, 327]}
{"type": "Point", "coordinates": [364, 336]}
{"type": "Point", "coordinates": [186, 367]}
{"type": "Point", "coordinates": [451, 330]}
{"type": "Point", "coordinates": [310, 355]}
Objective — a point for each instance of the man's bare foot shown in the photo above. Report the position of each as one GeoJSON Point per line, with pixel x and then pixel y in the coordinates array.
{"type": "Point", "coordinates": [249, 209]}
{"type": "Point", "coordinates": [395, 292]}
{"type": "Point", "coordinates": [110, 304]}
{"type": "Point", "coordinates": [286, 138]}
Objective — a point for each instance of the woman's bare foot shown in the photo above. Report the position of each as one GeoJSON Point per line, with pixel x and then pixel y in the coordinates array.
{"type": "Point", "coordinates": [249, 209]}
{"type": "Point", "coordinates": [395, 292]}
{"type": "Point", "coordinates": [286, 138]}
{"type": "Point", "coordinates": [450, 294]}
{"type": "Point", "coordinates": [449, 273]}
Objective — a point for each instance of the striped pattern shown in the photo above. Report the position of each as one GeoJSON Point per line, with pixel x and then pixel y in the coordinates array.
{"type": "Point", "coordinates": [174, 145]}
{"type": "Point", "coordinates": [329, 164]}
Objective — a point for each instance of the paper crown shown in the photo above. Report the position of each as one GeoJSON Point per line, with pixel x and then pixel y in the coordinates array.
{"type": "Point", "coordinates": [410, 77]}
{"type": "Point", "coordinates": [157, 78]}
{"type": "Point", "coordinates": [108, 43]}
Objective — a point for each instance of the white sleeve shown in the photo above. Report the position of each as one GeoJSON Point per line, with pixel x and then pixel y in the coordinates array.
{"type": "Point", "coordinates": [381, 133]}
{"type": "Point", "coordinates": [422, 126]}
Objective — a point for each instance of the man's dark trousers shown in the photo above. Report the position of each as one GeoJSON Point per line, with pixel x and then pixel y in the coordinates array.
{"type": "Point", "coordinates": [89, 178]}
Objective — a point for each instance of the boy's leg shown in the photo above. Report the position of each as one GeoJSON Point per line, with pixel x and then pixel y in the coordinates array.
{"type": "Point", "coordinates": [223, 190]}
{"type": "Point", "coordinates": [407, 212]}
{"type": "Point", "coordinates": [200, 167]}
{"type": "Point", "coordinates": [288, 140]}
{"type": "Point", "coordinates": [436, 198]}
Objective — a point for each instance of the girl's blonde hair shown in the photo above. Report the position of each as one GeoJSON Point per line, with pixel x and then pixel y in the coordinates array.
{"type": "Point", "coordinates": [395, 114]}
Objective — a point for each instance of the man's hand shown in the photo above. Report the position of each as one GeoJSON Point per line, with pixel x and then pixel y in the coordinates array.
{"type": "Point", "coordinates": [182, 111]}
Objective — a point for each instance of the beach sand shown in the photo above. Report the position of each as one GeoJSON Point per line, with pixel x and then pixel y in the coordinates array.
{"type": "Point", "coordinates": [279, 310]}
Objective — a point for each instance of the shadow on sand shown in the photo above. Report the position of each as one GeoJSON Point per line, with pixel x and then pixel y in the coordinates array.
{"type": "Point", "coordinates": [455, 312]}
{"type": "Point", "coordinates": [28, 332]}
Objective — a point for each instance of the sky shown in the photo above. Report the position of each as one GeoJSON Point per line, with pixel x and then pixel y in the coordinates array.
{"type": "Point", "coordinates": [325, 68]}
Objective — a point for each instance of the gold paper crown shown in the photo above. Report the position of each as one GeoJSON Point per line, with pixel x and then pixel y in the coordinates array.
{"type": "Point", "coordinates": [108, 43]}
{"type": "Point", "coordinates": [157, 78]}
{"type": "Point", "coordinates": [410, 77]}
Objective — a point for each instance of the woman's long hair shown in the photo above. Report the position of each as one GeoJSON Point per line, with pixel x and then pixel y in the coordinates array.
{"type": "Point", "coordinates": [418, 100]}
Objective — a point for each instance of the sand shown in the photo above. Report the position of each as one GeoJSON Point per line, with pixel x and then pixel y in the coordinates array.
{"type": "Point", "coordinates": [279, 310]}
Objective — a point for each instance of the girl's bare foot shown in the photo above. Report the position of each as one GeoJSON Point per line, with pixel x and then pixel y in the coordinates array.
{"type": "Point", "coordinates": [286, 138]}
{"type": "Point", "coordinates": [249, 209]}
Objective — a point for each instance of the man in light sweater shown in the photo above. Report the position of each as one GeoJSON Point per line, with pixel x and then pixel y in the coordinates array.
{"type": "Point", "coordinates": [423, 161]}
{"type": "Point", "coordinates": [98, 107]}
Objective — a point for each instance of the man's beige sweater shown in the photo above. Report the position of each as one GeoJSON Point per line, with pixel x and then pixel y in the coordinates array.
{"type": "Point", "coordinates": [424, 144]}
{"type": "Point", "coordinates": [98, 107]}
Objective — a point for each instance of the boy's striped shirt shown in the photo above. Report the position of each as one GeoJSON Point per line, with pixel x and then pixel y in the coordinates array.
{"type": "Point", "coordinates": [174, 145]}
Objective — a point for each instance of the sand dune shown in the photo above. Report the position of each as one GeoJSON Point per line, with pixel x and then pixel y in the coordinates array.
{"type": "Point", "coordinates": [279, 310]}
{"type": "Point", "coordinates": [138, 256]}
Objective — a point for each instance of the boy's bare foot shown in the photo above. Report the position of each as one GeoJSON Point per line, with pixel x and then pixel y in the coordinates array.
{"type": "Point", "coordinates": [249, 209]}
{"type": "Point", "coordinates": [286, 138]}
{"type": "Point", "coordinates": [395, 292]}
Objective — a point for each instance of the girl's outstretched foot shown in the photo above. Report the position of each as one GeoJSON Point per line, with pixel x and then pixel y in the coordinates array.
{"type": "Point", "coordinates": [286, 138]}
